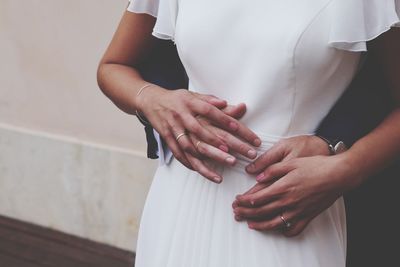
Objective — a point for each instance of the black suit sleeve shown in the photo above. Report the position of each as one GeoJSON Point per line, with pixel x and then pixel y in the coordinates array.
{"type": "Point", "coordinates": [164, 68]}
{"type": "Point", "coordinates": [361, 108]}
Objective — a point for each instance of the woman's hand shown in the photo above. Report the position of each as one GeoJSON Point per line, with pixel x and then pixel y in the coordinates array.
{"type": "Point", "coordinates": [297, 189]}
{"type": "Point", "coordinates": [176, 114]}
{"type": "Point", "coordinates": [209, 152]}
{"type": "Point", "coordinates": [288, 151]}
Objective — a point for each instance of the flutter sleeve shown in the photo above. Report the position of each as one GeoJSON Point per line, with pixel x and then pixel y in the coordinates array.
{"type": "Point", "coordinates": [359, 21]}
{"type": "Point", "coordinates": [164, 10]}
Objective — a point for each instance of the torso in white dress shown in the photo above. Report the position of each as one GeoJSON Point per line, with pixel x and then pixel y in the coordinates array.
{"type": "Point", "coordinates": [289, 61]}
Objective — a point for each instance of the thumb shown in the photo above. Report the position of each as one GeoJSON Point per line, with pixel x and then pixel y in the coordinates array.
{"type": "Point", "coordinates": [270, 157]}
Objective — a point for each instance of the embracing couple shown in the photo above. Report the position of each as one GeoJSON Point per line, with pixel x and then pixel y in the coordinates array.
{"type": "Point", "coordinates": [279, 123]}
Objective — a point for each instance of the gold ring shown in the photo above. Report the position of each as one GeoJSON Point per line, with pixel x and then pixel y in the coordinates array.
{"type": "Point", "coordinates": [179, 136]}
{"type": "Point", "coordinates": [197, 144]}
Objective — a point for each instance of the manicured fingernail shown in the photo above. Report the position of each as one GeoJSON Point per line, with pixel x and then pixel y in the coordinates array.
{"type": "Point", "coordinates": [251, 226]}
{"type": "Point", "coordinates": [238, 218]}
{"type": "Point", "coordinates": [224, 148]}
{"type": "Point", "coordinates": [257, 142]}
{"type": "Point", "coordinates": [233, 125]}
{"type": "Point", "coordinates": [218, 179]}
{"type": "Point", "coordinates": [260, 177]}
{"type": "Point", "coordinates": [230, 160]}
{"type": "Point", "coordinates": [252, 153]}
{"type": "Point", "coordinates": [250, 167]}
{"type": "Point", "coordinates": [235, 204]}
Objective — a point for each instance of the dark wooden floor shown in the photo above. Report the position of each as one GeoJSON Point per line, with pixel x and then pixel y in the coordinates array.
{"type": "Point", "coordinates": [26, 245]}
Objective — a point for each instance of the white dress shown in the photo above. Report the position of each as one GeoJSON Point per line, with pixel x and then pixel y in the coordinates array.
{"type": "Point", "coordinates": [289, 61]}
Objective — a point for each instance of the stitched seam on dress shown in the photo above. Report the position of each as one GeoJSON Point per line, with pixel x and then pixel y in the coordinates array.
{"type": "Point", "coordinates": [294, 62]}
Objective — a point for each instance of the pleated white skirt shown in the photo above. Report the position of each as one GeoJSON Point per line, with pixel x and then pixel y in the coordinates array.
{"type": "Point", "coordinates": [188, 221]}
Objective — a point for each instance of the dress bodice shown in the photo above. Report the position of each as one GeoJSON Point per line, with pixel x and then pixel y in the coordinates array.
{"type": "Point", "coordinates": [272, 55]}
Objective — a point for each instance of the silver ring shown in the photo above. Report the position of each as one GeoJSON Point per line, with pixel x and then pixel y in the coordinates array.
{"type": "Point", "coordinates": [287, 223]}
{"type": "Point", "coordinates": [179, 136]}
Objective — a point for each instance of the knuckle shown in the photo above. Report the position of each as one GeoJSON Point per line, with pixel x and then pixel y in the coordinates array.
{"type": "Point", "coordinates": [166, 134]}
{"type": "Point", "coordinates": [176, 115]}
{"type": "Point", "coordinates": [206, 110]}
{"type": "Point", "coordinates": [186, 147]}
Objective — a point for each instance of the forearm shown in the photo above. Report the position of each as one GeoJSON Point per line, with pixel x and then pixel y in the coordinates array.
{"type": "Point", "coordinates": [375, 151]}
{"type": "Point", "coordinates": [121, 84]}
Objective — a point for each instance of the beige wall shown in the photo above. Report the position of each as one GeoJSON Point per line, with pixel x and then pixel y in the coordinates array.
{"type": "Point", "coordinates": [69, 159]}
{"type": "Point", "coordinates": [49, 50]}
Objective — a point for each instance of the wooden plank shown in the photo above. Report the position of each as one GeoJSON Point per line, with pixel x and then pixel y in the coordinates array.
{"type": "Point", "coordinates": [66, 239]}
{"type": "Point", "coordinates": [47, 247]}
{"type": "Point", "coordinates": [10, 261]}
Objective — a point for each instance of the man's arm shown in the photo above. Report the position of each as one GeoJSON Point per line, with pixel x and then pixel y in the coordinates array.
{"type": "Point", "coordinates": [361, 108]}
{"type": "Point", "coordinates": [164, 68]}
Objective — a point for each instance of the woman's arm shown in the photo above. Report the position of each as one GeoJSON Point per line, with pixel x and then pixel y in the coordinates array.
{"type": "Point", "coordinates": [171, 113]}
{"type": "Point", "coordinates": [301, 188]}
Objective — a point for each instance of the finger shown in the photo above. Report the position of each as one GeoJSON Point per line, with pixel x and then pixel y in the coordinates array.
{"type": "Point", "coordinates": [194, 126]}
{"type": "Point", "coordinates": [271, 156]}
{"type": "Point", "coordinates": [266, 211]}
{"type": "Point", "coordinates": [257, 187]}
{"type": "Point", "coordinates": [213, 100]}
{"type": "Point", "coordinates": [182, 138]}
{"type": "Point", "coordinates": [275, 171]}
{"type": "Point", "coordinates": [176, 151]}
{"type": "Point", "coordinates": [224, 121]}
{"type": "Point", "coordinates": [276, 223]}
{"type": "Point", "coordinates": [235, 143]}
{"type": "Point", "coordinates": [298, 227]}
{"type": "Point", "coordinates": [212, 152]}
{"type": "Point", "coordinates": [235, 111]}
{"type": "Point", "coordinates": [266, 195]}
{"type": "Point", "coordinates": [201, 168]}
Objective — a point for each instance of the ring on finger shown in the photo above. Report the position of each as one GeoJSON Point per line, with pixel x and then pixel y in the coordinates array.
{"type": "Point", "coordinates": [179, 136]}
{"type": "Point", "coordinates": [286, 223]}
{"type": "Point", "coordinates": [197, 144]}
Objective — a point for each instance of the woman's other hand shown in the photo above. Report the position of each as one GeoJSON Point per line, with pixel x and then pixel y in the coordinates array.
{"type": "Point", "coordinates": [293, 181]}
{"type": "Point", "coordinates": [182, 117]}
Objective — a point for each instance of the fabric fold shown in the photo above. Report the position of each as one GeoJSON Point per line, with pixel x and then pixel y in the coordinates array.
{"type": "Point", "coordinates": [357, 21]}
{"type": "Point", "coordinates": [166, 12]}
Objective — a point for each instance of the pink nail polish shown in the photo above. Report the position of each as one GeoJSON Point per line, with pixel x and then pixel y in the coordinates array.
{"type": "Point", "coordinates": [260, 177]}
{"type": "Point", "coordinates": [217, 179]}
{"type": "Point", "coordinates": [252, 153]}
{"type": "Point", "coordinates": [238, 218]}
{"type": "Point", "coordinates": [257, 142]}
{"type": "Point", "coordinates": [230, 160]}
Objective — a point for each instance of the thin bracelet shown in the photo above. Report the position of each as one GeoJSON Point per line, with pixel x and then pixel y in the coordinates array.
{"type": "Point", "coordinates": [143, 120]}
{"type": "Point", "coordinates": [142, 88]}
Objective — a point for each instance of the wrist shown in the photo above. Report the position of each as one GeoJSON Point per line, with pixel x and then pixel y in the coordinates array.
{"type": "Point", "coordinates": [147, 97]}
{"type": "Point", "coordinates": [353, 171]}
{"type": "Point", "coordinates": [320, 146]}
{"type": "Point", "coordinates": [334, 145]}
